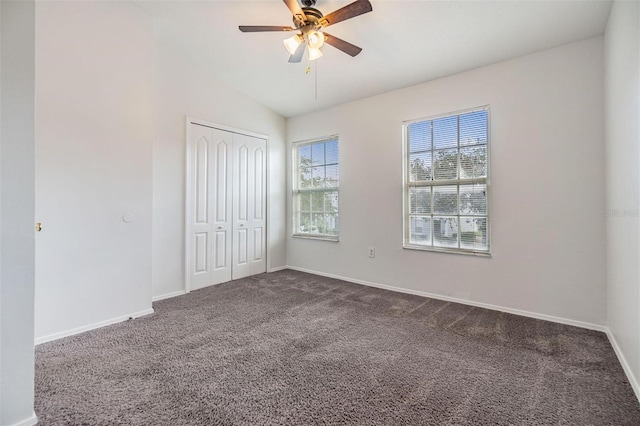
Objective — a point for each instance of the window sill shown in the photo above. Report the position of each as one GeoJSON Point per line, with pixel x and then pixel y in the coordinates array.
{"type": "Point", "coordinates": [447, 250]}
{"type": "Point", "coordinates": [331, 238]}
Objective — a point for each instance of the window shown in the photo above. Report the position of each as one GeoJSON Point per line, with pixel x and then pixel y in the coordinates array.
{"type": "Point", "coordinates": [315, 189]}
{"type": "Point", "coordinates": [445, 185]}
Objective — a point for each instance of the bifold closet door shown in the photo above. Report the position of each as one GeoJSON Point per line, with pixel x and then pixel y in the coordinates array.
{"type": "Point", "coordinates": [226, 206]}
{"type": "Point", "coordinates": [210, 212]}
{"type": "Point", "coordinates": [249, 206]}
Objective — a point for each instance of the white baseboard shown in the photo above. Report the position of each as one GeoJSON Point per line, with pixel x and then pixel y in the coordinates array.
{"type": "Point", "coordinates": [278, 268]}
{"type": "Point", "coordinates": [535, 315]}
{"type": "Point", "coordinates": [168, 295]}
{"type": "Point", "coordinates": [93, 326]}
{"type": "Point", "coordinates": [27, 422]}
{"type": "Point", "coordinates": [625, 365]}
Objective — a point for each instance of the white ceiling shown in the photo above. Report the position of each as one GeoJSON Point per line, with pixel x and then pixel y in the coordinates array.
{"type": "Point", "coordinates": [404, 43]}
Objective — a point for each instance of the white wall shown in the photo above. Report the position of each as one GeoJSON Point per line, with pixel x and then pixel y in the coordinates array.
{"type": "Point", "coordinates": [547, 187]}
{"type": "Point", "coordinates": [93, 164]}
{"type": "Point", "coordinates": [111, 109]}
{"type": "Point", "coordinates": [182, 88]}
{"type": "Point", "coordinates": [622, 85]}
{"type": "Point", "coordinates": [17, 141]}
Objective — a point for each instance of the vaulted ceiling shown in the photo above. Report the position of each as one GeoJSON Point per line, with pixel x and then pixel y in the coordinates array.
{"type": "Point", "coordinates": [403, 42]}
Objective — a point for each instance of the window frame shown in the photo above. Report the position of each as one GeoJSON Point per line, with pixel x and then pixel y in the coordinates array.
{"type": "Point", "coordinates": [296, 190]}
{"type": "Point", "coordinates": [407, 184]}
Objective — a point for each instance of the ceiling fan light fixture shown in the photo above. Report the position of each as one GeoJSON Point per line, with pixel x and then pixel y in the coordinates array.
{"type": "Point", "coordinates": [292, 43]}
{"type": "Point", "coordinates": [314, 53]}
{"type": "Point", "coordinates": [316, 39]}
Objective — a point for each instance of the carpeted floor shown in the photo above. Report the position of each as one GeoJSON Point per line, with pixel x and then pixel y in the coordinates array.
{"type": "Point", "coordinates": [289, 348]}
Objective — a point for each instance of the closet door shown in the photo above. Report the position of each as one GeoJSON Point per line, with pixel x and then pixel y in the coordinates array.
{"type": "Point", "coordinates": [208, 242]}
{"type": "Point", "coordinates": [249, 206]}
{"type": "Point", "coordinates": [225, 206]}
{"type": "Point", "coordinates": [221, 192]}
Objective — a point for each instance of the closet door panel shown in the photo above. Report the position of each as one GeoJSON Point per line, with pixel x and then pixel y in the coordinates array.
{"type": "Point", "coordinates": [221, 194]}
{"type": "Point", "coordinates": [199, 210]}
{"type": "Point", "coordinates": [259, 205]}
{"type": "Point", "coordinates": [249, 207]}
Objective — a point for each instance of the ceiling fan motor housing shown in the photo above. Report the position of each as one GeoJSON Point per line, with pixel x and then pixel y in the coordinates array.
{"type": "Point", "coordinates": [313, 17]}
{"type": "Point", "coordinates": [308, 3]}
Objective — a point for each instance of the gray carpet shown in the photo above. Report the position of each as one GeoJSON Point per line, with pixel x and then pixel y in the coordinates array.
{"type": "Point", "coordinates": [289, 348]}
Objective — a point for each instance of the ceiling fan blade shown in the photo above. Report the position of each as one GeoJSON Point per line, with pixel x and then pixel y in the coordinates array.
{"type": "Point", "coordinates": [296, 10]}
{"type": "Point", "coordinates": [352, 10]}
{"type": "Point", "coordinates": [345, 46]}
{"type": "Point", "coordinates": [261, 28]}
{"type": "Point", "coordinates": [297, 55]}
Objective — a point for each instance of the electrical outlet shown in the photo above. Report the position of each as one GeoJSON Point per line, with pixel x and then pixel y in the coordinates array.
{"type": "Point", "coordinates": [372, 252]}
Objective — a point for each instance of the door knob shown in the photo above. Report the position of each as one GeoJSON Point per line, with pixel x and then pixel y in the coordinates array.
{"type": "Point", "coordinates": [38, 226]}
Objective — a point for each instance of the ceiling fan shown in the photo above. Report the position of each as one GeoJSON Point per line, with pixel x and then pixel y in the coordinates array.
{"type": "Point", "coordinates": [309, 24]}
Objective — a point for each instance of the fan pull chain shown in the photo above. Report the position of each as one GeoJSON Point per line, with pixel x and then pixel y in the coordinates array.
{"type": "Point", "coordinates": [316, 80]}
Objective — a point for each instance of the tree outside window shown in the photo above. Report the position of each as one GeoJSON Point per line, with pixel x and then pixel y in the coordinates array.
{"type": "Point", "coordinates": [315, 193]}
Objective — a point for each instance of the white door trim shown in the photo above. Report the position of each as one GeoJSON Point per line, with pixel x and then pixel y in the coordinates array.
{"type": "Point", "coordinates": [188, 190]}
